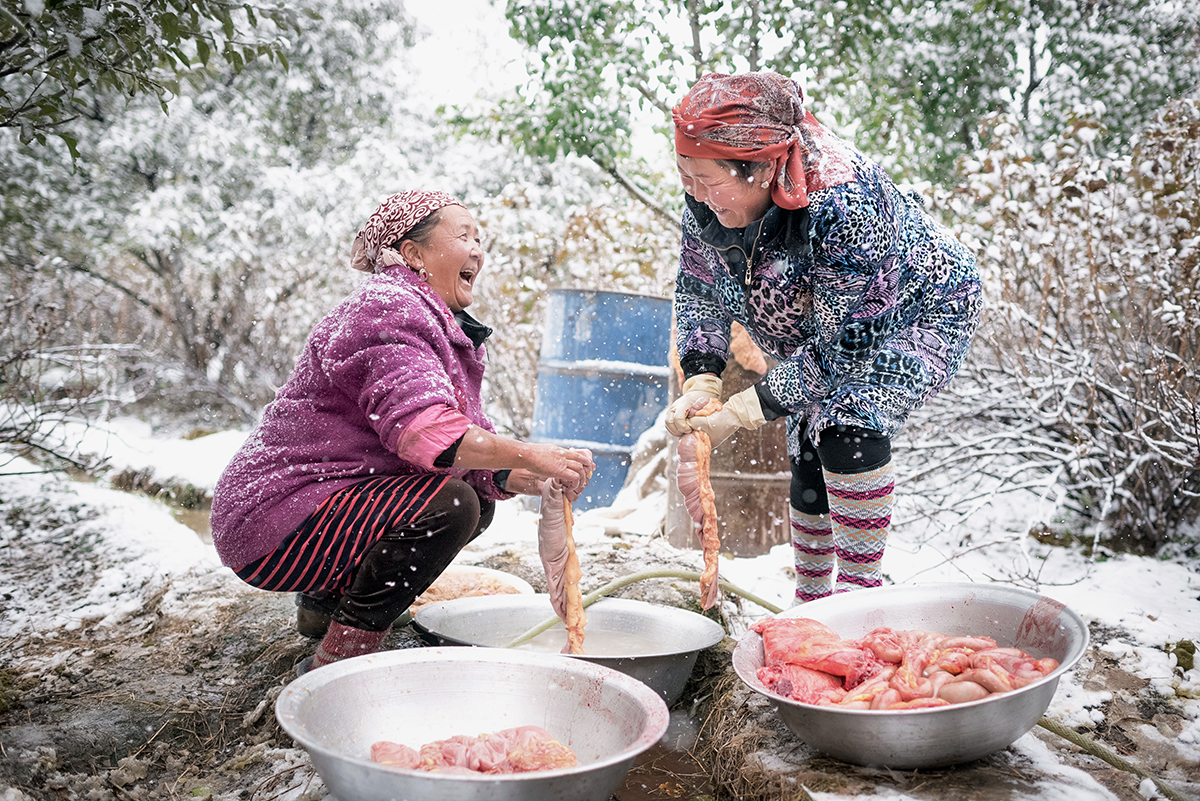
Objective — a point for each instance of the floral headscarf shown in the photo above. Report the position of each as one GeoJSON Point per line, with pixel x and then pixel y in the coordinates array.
{"type": "Point", "coordinates": [760, 116]}
{"type": "Point", "coordinates": [394, 218]}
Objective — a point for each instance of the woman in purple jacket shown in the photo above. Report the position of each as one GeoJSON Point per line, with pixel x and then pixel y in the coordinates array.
{"type": "Point", "coordinates": [375, 465]}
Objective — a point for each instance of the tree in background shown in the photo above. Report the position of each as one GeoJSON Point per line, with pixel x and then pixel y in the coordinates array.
{"type": "Point", "coordinates": [207, 236]}
{"type": "Point", "coordinates": [907, 81]}
{"type": "Point", "coordinates": [55, 57]}
{"type": "Point", "coordinates": [1083, 386]}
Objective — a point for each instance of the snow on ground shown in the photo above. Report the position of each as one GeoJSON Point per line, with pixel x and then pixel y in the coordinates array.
{"type": "Point", "coordinates": [125, 548]}
{"type": "Point", "coordinates": [133, 543]}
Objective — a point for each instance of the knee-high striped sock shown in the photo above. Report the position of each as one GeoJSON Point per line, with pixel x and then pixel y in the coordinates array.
{"type": "Point", "coordinates": [342, 642]}
{"type": "Point", "coordinates": [860, 505]}
{"type": "Point", "coordinates": [813, 549]}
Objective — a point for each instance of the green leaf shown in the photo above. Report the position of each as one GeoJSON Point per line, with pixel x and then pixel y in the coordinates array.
{"type": "Point", "coordinates": [170, 27]}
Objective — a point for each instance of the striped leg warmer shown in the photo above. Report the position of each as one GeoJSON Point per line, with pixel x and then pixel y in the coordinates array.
{"type": "Point", "coordinates": [860, 505]}
{"type": "Point", "coordinates": [812, 545]}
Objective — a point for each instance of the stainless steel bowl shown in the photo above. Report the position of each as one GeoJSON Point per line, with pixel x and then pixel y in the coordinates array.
{"type": "Point", "coordinates": [672, 638]}
{"type": "Point", "coordinates": [417, 695]}
{"type": "Point", "coordinates": [928, 738]}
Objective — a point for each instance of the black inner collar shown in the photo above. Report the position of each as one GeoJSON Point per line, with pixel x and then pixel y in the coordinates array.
{"type": "Point", "coordinates": [778, 226]}
{"type": "Point", "coordinates": [476, 331]}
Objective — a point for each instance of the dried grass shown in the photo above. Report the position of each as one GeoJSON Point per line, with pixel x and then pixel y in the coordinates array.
{"type": "Point", "coordinates": [745, 748]}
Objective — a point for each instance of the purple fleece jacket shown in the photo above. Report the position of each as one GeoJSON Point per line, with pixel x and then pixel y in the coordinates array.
{"type": "Point", "coordinates": [388, 352]}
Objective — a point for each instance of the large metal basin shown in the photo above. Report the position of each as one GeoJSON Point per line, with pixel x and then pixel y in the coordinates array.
{"type": "Point", "coordinates": [928, 738]}
{"type": "Point", "coordinates": [672, 637]}
{"type": "Point", "coordinates": [414, 696]}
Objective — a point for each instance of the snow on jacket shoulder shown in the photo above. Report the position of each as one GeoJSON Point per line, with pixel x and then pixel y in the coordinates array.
{"type": "Point", "coordinates": [387, 353]}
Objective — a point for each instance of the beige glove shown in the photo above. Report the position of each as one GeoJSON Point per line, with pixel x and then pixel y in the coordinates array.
{"type": "Point", "coordinates": [696, 391]}
{"type": "Point", "coordinates": [552, 544]}
{"type": "Point", "coordinates": [741, 411]}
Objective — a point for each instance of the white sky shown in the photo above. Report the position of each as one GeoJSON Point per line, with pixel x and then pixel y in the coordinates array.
{"type": "Point", "coordinates": [463, 48]}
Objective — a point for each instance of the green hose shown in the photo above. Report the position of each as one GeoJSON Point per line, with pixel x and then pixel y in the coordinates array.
{"type": "Point", "coordinates": [1097, 750]}
{"type": "Point", "coordinates": [1090, 746]}
{"type": "Point", "coordinates": [633, 578]}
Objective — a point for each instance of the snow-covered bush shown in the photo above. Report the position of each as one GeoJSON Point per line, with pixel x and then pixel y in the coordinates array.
{"type": "Point", "coordinates": [45, 380]}
{"type": "Point", "coordinates": [214, 234]}
{"type": "Point", "coordinates": [1091, 340]}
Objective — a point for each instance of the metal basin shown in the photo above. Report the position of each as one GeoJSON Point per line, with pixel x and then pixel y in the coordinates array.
{"type": "Point", "coordinates": [668, 639]}
{"type": "Point", "coordinates": [928, 738]}
{"type": "Point", "coordinates": [414, 696]}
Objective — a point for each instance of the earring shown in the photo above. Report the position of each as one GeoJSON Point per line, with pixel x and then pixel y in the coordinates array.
{"type": "Point", "coordinates": [766, 184]}
{"type": "Point", "coordinates": [424, 275]}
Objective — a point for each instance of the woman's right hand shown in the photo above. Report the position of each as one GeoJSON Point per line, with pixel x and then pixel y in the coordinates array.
{"type": "Point", "coordinates": [481, 449]}
{"type": "Point", "coordinates": [573, 467]}
{"type": "Point", "coordinates": [696, 393]}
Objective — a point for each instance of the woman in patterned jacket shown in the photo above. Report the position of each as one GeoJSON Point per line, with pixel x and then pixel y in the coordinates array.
{"type": "Point", "coordinates": [867, 303]}
{"type": "Point", "coordinates": [375, 464]}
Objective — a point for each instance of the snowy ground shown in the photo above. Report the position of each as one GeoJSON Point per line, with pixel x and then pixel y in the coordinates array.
{"type": "Point", "coordinates": [89, 575]}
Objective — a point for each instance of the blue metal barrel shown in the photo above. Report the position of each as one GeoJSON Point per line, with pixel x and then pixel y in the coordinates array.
{"type": "Point", "coordinates": [602, 380]}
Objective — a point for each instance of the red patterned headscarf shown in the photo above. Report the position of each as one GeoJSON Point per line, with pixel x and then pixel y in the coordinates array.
{"type": "Point", "coordinates": [760, 116]}
{"type": "Point", "coordinates": [394, 218]}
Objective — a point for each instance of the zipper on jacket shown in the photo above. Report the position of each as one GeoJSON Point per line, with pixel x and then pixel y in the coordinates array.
{"type": "Point", "coordinates": [749, 258]}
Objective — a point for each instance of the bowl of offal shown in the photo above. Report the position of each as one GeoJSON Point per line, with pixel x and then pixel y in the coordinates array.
{"type": "Point", "coordinates": [930, 736]}
{"type": "Point", "coordinates": [350, 714]}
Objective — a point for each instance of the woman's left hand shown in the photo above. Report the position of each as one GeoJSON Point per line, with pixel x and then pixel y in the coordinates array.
{"type": "Point", "coordinates": [740, 411]}
{"type": "Point", "coordinates": [719, 426]}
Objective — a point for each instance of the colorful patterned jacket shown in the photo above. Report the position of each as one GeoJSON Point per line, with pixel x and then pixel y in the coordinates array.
{"type": "Point", "coordinates": [868, 304]}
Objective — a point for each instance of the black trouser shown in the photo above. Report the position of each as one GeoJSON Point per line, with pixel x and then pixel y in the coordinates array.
{"type": "Point", "coordinates": [843, 449]}
{"type": "Point", "coordinates": [371, 548]}
{"type": "Point", "coordinates": [407, 559]}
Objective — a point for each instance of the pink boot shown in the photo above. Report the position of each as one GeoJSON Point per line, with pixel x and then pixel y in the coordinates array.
{"type": "Point", "coordinates": [342, 642]}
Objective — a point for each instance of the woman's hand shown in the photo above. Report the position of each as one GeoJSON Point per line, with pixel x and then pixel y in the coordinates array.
{"type": "Point", "coordinates": [741, 411]}
{"type": "Point", "coordinates": [531, 462]}
{"type": "Point", "coordinates": [572, 467]}
{"type": "Point", "coordinates": [696, 393]}
{"type": "Point", "coordinates": [719, 426]}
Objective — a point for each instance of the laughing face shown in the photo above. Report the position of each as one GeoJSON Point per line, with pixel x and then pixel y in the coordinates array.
{"type": "Point", "coordinates": [736, 201]}
{"type": "Point", "coordinates": [452, 258]}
